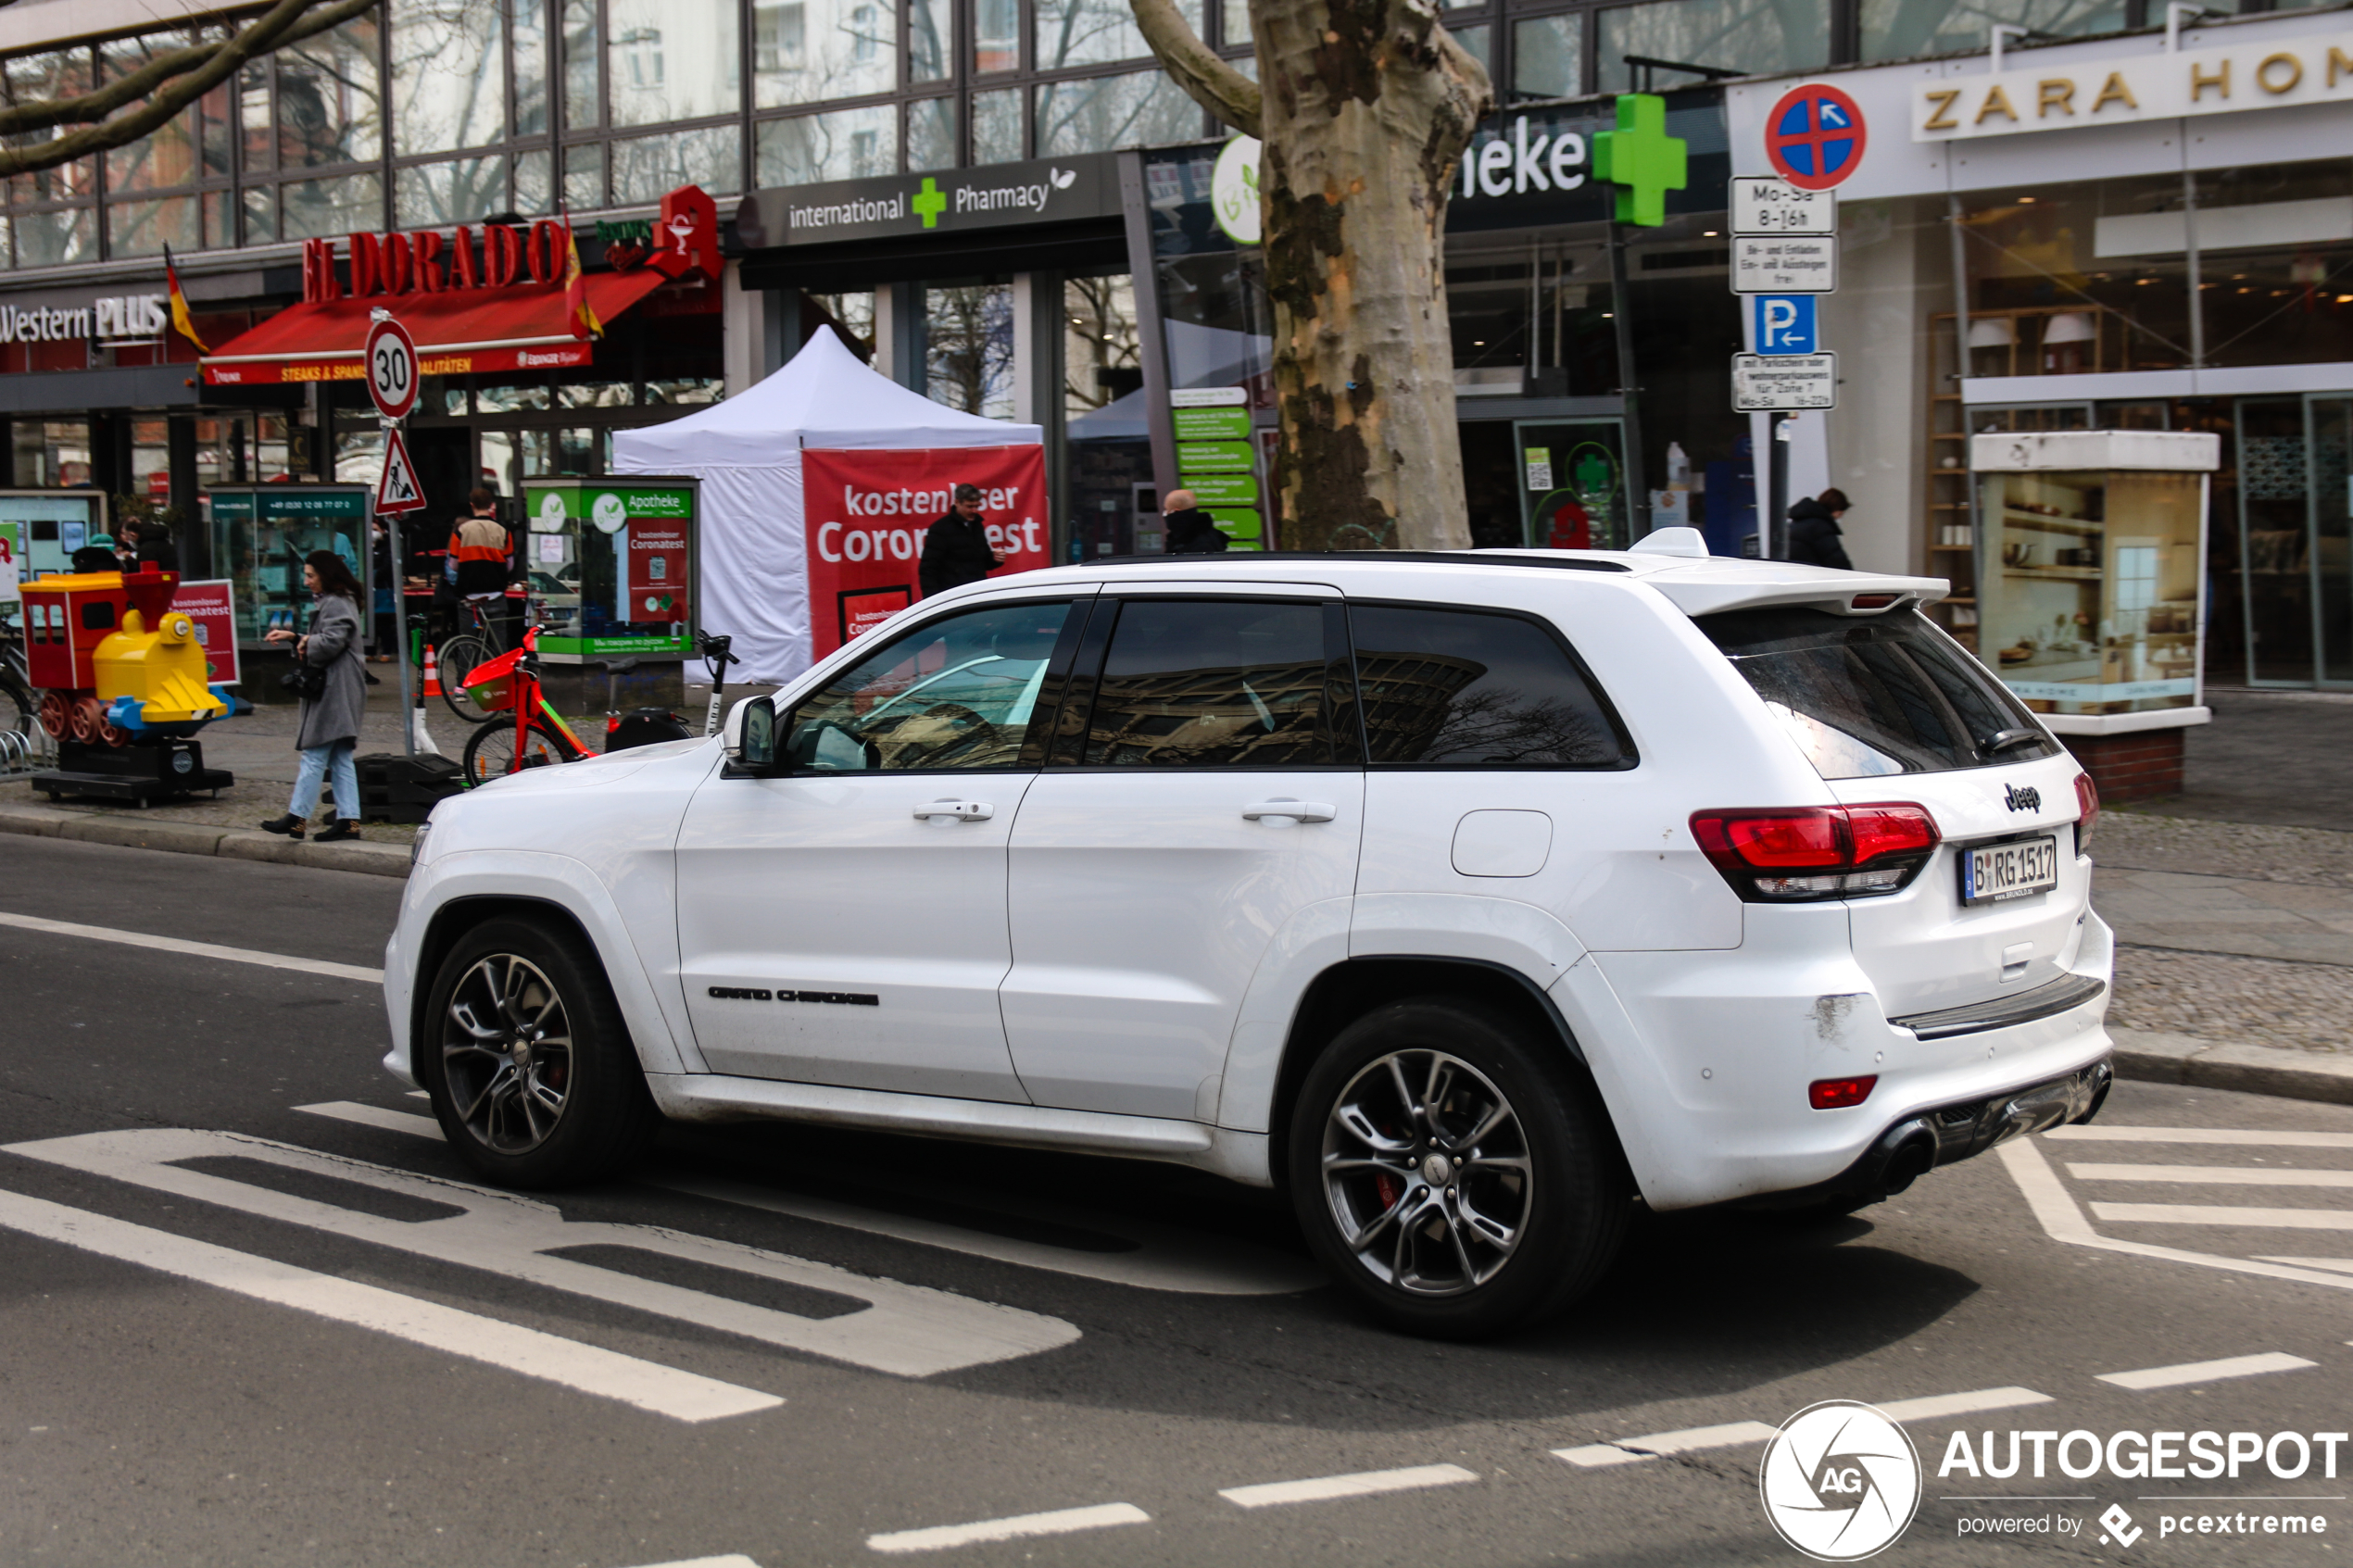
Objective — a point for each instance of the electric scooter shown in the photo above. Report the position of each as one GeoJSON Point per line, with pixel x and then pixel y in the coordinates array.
{"type": "Point", "coordinates": [715, 658]}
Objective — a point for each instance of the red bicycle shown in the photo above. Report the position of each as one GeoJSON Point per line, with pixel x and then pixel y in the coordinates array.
{"type": "Point", "coordinates": [537, 736]}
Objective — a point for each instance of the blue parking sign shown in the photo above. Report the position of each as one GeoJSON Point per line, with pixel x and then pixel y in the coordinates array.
{"type": "Point", "coordinates": [1785, 324]}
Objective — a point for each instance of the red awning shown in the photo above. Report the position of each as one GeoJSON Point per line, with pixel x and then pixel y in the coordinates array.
{"type": "Point", "coordinates": [459, 332]}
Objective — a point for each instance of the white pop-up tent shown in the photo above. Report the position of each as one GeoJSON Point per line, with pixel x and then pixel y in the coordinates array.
{"type": "Point", "coordinates": [752, 567]}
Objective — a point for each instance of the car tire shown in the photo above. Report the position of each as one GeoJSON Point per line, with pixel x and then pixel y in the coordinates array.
{"type": "Point", "coordinates": [1527, 1199]}
{"type": "Point", "coordinates": [556, 1108]}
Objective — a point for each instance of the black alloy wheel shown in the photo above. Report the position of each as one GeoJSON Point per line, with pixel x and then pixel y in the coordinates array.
{"type": "Point", "coordinates": [528, 1065]}
{"type": "Point", "coordinates": [1455, 1170]}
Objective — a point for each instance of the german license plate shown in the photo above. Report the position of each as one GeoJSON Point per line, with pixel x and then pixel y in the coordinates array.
{"type": "Point", "coordinates": [2009, 871]}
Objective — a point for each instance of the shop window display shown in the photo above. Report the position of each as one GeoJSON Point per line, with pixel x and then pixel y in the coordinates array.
{"type": "Point", "coordinates": [2275, 264]}
{"type": "Point", "coordinates": [2069, 278]}
{"type": "Point", "coordinates": [260, 534]}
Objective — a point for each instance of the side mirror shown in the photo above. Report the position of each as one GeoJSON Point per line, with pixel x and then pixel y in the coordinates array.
{"type": "Point", "coordinates": [752, 736]}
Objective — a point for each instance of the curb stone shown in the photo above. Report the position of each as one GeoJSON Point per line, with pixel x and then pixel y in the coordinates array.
{"type": "Point", "coordinates": [2152, 1056]}
{"type": "Point", "coordinates": [202, 838]}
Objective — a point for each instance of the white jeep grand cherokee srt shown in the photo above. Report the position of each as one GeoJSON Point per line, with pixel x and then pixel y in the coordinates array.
{"type": "Point", "coordinates": [1465, 895]}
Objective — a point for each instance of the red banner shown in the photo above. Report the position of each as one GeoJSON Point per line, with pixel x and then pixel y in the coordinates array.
{"type": "Point", "coordinates": [213, 609]}
{"type": "Point", "coordinates": [657, 571]}
{"type": "Point", "coordinates": [867, 513]}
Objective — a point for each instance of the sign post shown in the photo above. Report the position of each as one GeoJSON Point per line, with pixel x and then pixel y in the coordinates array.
{"type": "Point", "coordinates": [391, 357]}
{"type": "Point", "coordinates": [1784, 259]}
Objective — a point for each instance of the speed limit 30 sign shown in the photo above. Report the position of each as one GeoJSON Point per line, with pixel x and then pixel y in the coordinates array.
{"type": "Point", "coordinates": [392, 368]}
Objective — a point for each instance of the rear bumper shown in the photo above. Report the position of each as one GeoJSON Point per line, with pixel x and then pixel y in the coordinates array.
{"type": "Point", "coordinates": [1915, 1145]}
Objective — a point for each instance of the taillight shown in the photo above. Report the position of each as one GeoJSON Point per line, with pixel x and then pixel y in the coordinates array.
{"type": "Point", "coordinates": [1836, 1094]}
{"type": "Point", "coordinates": [1808, 852]}
{"type": "Point", "coordinates": [2087, 811]}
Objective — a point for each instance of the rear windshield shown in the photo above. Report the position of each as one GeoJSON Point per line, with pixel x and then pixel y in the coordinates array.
{"type": "Point", "coordinates": [1868, 698]}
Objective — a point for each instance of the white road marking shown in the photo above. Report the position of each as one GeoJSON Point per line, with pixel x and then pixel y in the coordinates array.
{"type": "Point", "coordinates": [377, 1116]}
{"type": "Point", "coordinates": [1363, 1484]}
{"type": "Point", "coordinates": [1936, 1406]}
{"type": "Point", "coordinates": [2214, 1175]}
{"type": "Point", "coordinates": [2218, 1214]}
{"type": "Point", "coordinates": [904, 1329]}
{"type": "Point", "coordinates": [1168, 1259]}
{"type": "Point", "coordinates": [733, 1560]}
{"type": "Point", "coordinates": [682, 1396]}
{"type": "Point", "coordinates": [2063, 1221]}
{"type": "Point", "coordinates": [2229, 1136]}
{"type": "Point", "coordinates": [196, 949]}
{"type": "Point", "coordinates": [2206, 1372]}
{"type": "Point", "coordinates": [1062, 1521]}
{"type": "Point", "coordinates": [2342, 1265]}
{"type": "Point", "coordinates": [1633, 1451]}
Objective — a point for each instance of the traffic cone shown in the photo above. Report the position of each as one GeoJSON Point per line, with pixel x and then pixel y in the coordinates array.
{"type": "Point", "coordinates": [432, 674]}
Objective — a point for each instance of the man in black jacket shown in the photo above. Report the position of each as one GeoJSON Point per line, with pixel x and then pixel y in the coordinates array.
{"type": "Point", "coordinates": [1191, 532]}
{"type": "Point", "coordinates": [956, 548]}
{"type": "Point", "coordinates": [1813, 532]}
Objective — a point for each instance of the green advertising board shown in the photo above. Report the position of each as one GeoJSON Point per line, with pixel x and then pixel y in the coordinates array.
{"type": "Point", "coordinates": [1241, 527]}
{"type": "Point", "coordinates": [1215, 456]}
{"type": "Point", "coordinates": [1223, 489]}
{"type": "Point", "coordinates": [260, 533]}
{"type": "Point", "coordinates": [611, 563]}
{"type": "Point", "coordinates": [1213, 424]}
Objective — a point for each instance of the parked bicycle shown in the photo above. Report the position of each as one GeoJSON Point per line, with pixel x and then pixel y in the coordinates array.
{"type": "Point", "coordinates": [477, 642]}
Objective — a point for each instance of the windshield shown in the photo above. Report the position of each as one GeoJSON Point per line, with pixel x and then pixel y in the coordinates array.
{"type": "Point", "coordinates": [1868, 698]}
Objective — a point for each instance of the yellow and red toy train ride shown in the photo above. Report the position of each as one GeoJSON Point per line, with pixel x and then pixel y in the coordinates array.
{"type": "Point", "coordinates": [123, 681]}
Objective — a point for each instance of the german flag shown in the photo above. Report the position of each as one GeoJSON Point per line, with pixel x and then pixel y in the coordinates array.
{"type": "Point", "coordinates": [182, 322]}
{"type": "Point", "coordinates": [577, 310]}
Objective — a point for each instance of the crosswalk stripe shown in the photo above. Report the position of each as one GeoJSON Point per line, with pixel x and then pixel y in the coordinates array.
{"type": "Point", "coordinates": [1062, 1522]}
{"type": "Point", "coordinates": [1323, 1488]}
{"type": "Point", "coordinates": [2214, 1175]}
{"type": "Point", "coordinates": [194, 950]}
{"type": "Point", "coordinates": [376, 1116]}
{"type": "Point", "coordinates": [682, 1396]}
{"type": "Point", "coordinates": [2225, 1137]}
{"type": "Point", "coordinates": [2217, 1215]}
{"type": "Point", "coordinates": [2206, 1372]}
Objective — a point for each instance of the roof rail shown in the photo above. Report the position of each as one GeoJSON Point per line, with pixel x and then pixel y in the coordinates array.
{"type": "Point", "coordinates": [1416, 558]}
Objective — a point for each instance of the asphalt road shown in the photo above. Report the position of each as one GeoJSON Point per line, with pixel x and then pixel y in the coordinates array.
{"type": "Point", "coordinates": [784, 1347]}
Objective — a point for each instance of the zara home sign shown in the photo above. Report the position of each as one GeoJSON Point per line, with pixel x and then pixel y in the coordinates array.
{"type": "Point", "coordinates": [2271, 74]}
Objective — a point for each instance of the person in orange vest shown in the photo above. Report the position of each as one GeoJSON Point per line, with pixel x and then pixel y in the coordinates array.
{"type": "Point", "coordinates": [480, 555]}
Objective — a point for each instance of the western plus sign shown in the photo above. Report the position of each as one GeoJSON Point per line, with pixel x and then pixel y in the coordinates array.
{"type": "Point", "coordinates": [930, 202]}
{"type": "Point", "coordinates": [1641, 158]}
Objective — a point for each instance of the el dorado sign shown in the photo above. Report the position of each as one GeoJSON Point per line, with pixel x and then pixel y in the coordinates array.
{"type": "Point", "coordinates": [431, 262]}
{"type": "Point", "coordinates": [2272, 74]}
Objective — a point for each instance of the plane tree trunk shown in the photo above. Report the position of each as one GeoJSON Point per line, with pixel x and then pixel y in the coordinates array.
{"type": "Point", "coordinates": [1363, 107]}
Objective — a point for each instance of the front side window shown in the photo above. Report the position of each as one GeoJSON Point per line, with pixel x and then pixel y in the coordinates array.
{"type": "Point", "coordinates": [1865, 698]}
{"type": "Point", "coordinates": [1213, 684]}
{"type": "Point", "coordinates": [957, 694]}
{"type": "Point", "coordinates": [1467, 688]}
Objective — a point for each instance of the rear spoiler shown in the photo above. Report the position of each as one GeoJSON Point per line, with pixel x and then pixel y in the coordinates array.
{"type": "Point", "coordinates": [1719, 586]}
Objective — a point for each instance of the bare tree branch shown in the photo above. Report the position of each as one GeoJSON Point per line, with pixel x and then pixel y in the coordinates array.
{"type": "Point", "coordinates": [1207, 79]}
{"type": "Point", "coordinates": [192, 72]}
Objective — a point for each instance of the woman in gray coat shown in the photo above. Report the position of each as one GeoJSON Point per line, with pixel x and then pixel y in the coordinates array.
{"type": "Point", "coordinates": [329, 733]}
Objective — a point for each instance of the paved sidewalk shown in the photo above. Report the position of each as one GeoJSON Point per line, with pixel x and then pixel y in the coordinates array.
{"type": "Point", "coordinates": [2272, 757]}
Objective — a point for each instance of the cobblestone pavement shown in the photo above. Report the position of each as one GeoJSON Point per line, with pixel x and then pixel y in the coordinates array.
{"type": "Point", "coordinates": [2300, 1007]}
{"type": "Point", "coordinates": [2131, 839]}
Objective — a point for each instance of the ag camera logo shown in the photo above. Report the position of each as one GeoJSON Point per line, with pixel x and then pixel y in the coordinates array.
{"type": "Point", "coordinates": [1841, 1481]}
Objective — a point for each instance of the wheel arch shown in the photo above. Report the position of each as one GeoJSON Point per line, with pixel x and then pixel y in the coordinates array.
{"type": "Point", "coordinates": [1348, 990]}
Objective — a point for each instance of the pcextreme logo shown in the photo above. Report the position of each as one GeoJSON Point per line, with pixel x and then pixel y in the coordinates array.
{"type": "Point", "coordinates": [1840, 1481]}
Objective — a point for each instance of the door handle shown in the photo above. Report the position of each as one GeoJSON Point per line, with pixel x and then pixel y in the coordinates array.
{"type": "Point", "coordinates": [962, 811]}
{"type": "Point", "coordinates": [1305, 810]}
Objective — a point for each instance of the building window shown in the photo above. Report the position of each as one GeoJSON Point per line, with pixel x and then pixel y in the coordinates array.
{"type": "Point", "coordinates": [847, 144]}
{"type": "Point", "coordinates": [1547, 57]}
{"type": "Point", "coordinates": [1899, 29]}
{"type": "Point", "coordinates": [1100, 113]}
{"type": "Point", "coordinates": [1754, 37]}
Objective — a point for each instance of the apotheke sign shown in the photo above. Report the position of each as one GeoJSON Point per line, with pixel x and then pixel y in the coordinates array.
{"type": "Point", "coordinates": [2274, 73]}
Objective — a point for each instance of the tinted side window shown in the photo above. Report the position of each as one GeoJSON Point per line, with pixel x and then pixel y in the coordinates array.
{"type": "Point", "coordinates": [1212, 684]}
{"type": "Point", "coordinates": [1866, 698]}
{"type": "Point", "coordinates": [960, 693]}
{"type": "Point", "coordinates": [1457, 688]}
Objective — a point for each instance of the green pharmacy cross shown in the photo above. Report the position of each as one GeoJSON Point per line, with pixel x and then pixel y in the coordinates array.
{"type": "Point", "coordinates": [931, 201]}
{"type": "Point", "coordinates": [1641, 158]}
